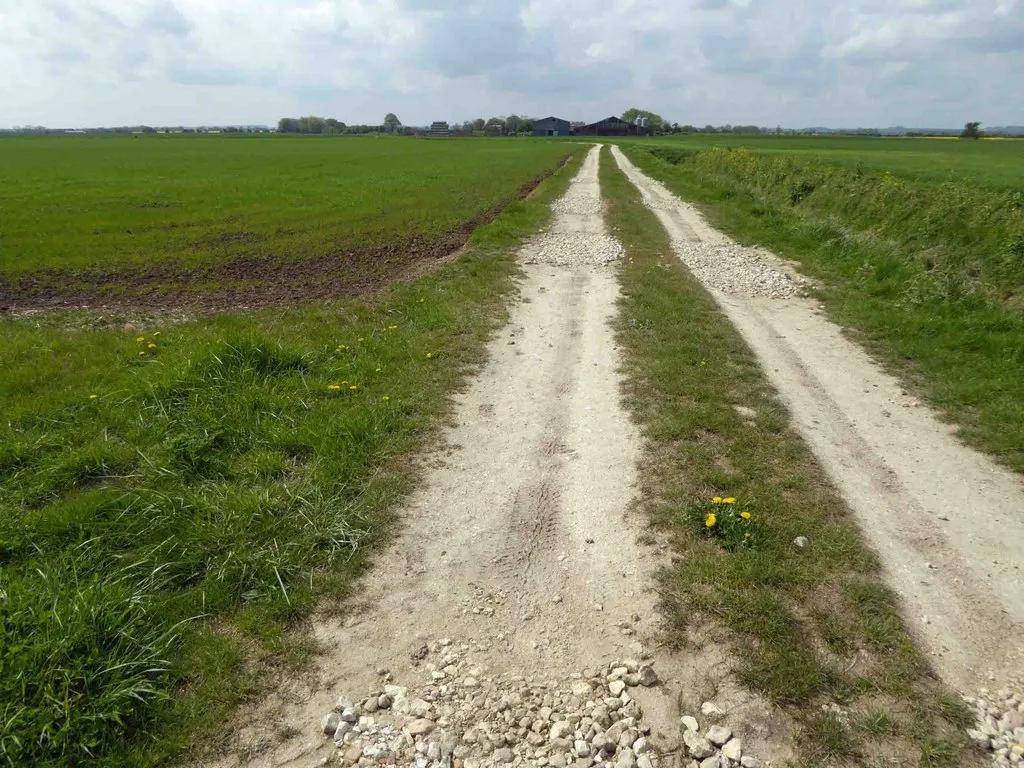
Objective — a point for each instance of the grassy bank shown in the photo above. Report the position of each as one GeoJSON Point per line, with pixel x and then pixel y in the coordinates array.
{"type": "Point", "coordinates": [808, 626]}
{"type": "Point", "coordinates": [992, 163]}
{"type": "Point", "coordinates": [175, 497]}
{"type": "Point", "coordinates": [929, 276]}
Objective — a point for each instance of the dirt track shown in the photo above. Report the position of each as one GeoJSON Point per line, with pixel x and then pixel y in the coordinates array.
{"type": "Point", "coordinates": [947, 522]}
{"type": "Point", "coordinates": [520, 547]}
{"type": "Point", "coordinates": [520, 554]}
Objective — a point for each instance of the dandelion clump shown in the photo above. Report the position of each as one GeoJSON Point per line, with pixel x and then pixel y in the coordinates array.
{"type": "Point", "coordinates": [721, 519]}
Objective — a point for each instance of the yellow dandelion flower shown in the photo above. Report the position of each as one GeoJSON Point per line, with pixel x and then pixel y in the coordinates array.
{"type": "Point", "coordinates": [716, 500]}
{"type": "Point", "coordinates": [392, 327]}
{"type": "Point", "coordinates": [151, 345]}
{"type": "Point", "coordinates": [379, 370]}
{"type": "Point", "coordinates": [710, 521]}
{"type": "Point", "coordinates": [353, 388]}
{"type": "Point", "coordinates": [430, 354]}
{"type": "Point", "coordinates": [385, 398]}
{"type": "Point", "coordinates": [745, 515]}
{"type": "Point", "coordinates": [142, 353]}
{"type": "Point", "coordinates": [156, 333]}
{"type": "Point", "coordinates": [703, 362]}
{"type": "Point", "coordinates": [361, 338]}
{"type": "Point", "coordinates": [422, 300]}
{"type": "Point", "coordinates": [141, 339]}
{"type": "Point", "coordinates": [93, 397]}
{"type": "Point", "coordinates": [334, 387]}
{"type": "Point", "coordinates": [729, 500]}
{"type": "Point", "coordinates": [746, 535]}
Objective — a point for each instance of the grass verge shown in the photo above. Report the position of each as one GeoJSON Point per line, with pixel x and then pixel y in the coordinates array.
{"type": "Point", "coordinates": [174, 499]}
{"type": "Point", "coordinates": [929, 277]}
{"type": "Point", "coordinates": [810, 627]}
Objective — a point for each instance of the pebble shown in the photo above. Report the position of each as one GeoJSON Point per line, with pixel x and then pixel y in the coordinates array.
{"type": "Point", "coordinates": [718, 735]}
{"type": "Point", "coordinates": [329, 723]}
{"type": "Point", "coordinates": [802, 542]}
{"type": "Point", "coordinates": [733, 749]}
{"type": "Point", "coordinates": [697, 745]}
{"type": "Point", "coordinates": [648, 676]}
{"type": "Point", "coordinates": [690, 723]}
{"type": "Point", "coordinates": [710, 709]}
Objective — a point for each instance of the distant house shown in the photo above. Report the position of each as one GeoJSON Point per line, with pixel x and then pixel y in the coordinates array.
{"type": "Point", "coordinates": [551, 126]}
{"type": "Point", "coordinates": [439, 128]}
{"type": "Point", "coordinates": [610, 126]}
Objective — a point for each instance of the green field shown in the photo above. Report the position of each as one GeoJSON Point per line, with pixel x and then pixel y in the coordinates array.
{"type": "Point", "coordinates": [923, 261]}
{"type": "Point", "coordinates": [102, 203]}
{"type": "Point", "coordinates": [177, 491]}
{"type": "Point", "coordinates": [992, 163]}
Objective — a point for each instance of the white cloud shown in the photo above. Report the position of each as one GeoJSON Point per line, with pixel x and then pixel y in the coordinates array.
{"type": "Point", "coordinates": [864, 62]}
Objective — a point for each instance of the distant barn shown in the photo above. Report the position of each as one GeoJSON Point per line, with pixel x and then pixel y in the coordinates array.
{"type": "Point", "coordinates": [439, 128]}
{"type": "Point", "coordinates": [551, 126]}
{"type": "Point", "coordinates": [610, 126]}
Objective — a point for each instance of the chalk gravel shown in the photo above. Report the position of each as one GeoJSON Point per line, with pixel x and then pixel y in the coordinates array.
{"type": "Point", "coordinates": [999, 724]}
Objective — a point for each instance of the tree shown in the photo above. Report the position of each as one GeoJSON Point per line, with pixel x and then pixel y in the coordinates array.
{"type": "Point", "coordinates": [526, 125]}
{"type": "Point", "coordinates": [971, 131]}
{"type": "Point", "coordinates": [287, 125]}
{"type": "Point", "coordinates": [512, 124]}
{"type": "Point", "coordinates": [495, 125]}
{"type": "Point", "coordinates": [479, 124]}
{"type": "Point", "coordinates": [655, 122]}
{"type": "Point", "coordinates": [391, 123]}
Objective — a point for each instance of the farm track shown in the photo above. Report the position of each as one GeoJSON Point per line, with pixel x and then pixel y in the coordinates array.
{"type": "Point", "coordinates": [946, 521]}
{"type": "Point", "coordinates": [520, 556]}
{"type": "Point", "coordinates": [243, 283]}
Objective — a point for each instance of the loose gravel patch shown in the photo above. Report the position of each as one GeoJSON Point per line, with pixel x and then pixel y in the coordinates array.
{"type": "Point", "coordinates": [999, 724]}
{"type": "Point", "coordinates": [462, 716]}
{"type": "Point", "coordinates": [574, 249]}
{"type": "Point", "coordinates": [737, 269]}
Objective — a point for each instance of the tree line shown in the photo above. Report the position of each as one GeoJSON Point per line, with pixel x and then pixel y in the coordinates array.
{"type": "Point", "coordinates": [328, 126]}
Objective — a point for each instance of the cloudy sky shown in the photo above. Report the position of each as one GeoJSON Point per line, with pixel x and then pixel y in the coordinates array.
{"type": "Point", "coordinates": [848, 63]}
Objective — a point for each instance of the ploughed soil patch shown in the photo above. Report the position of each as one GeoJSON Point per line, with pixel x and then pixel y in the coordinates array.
{"type": "Point", "coordinates": [241, 283]}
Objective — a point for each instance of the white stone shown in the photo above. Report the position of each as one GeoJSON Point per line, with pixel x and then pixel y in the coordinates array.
{"type": "Point", "coordinates": [718, 735]}
{"type": "Point", "coordinates": [733, 749]}
{"type": "Point", "coordinates": [329, 723]}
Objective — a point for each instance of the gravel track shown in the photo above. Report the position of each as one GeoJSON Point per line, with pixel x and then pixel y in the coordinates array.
{"type": "Point", "coordinates": [947, 522]}
{"type": "Point", "coordinates": [514, 620]}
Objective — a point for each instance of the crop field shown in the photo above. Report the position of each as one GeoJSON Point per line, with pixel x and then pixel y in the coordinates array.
{"type": "Point", "coordinates": [241, 221]}
{"type": "Point", "coordinates": [993, 163]}
{"type": "Point", "coordinates": [177, 489]}
{"type": "Point", "coordinates": [919, 245]}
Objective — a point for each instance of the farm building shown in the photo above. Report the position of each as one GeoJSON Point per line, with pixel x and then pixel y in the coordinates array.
{"type": "Point", "coordinates": [439, 128]}
{"type": "Point", "coordinates": [551, 126]}
{"type": "Point", "coordinates": [610, 126]}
